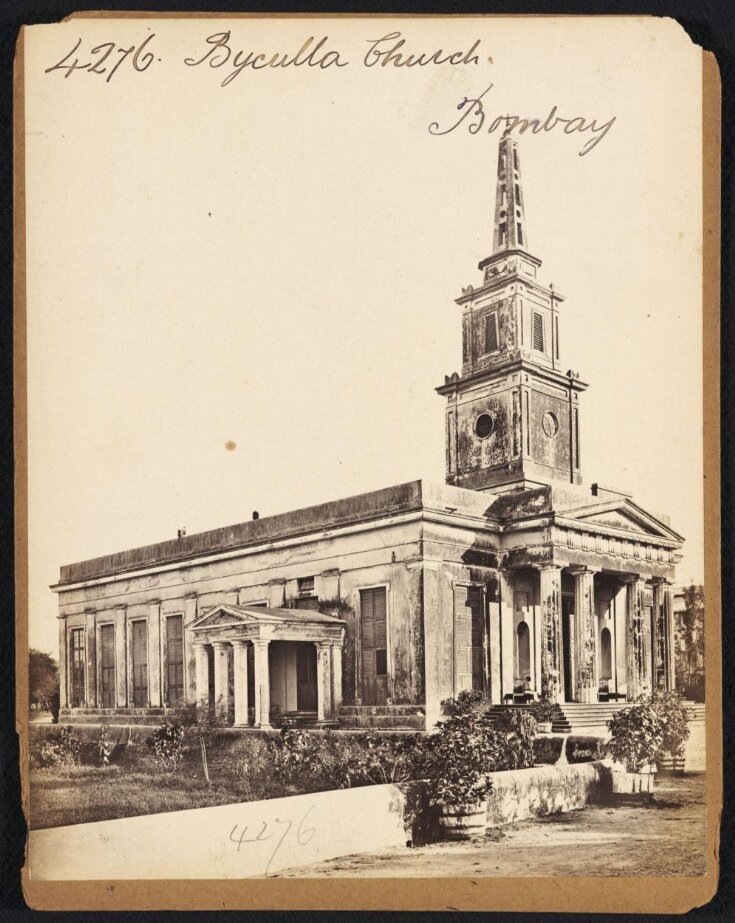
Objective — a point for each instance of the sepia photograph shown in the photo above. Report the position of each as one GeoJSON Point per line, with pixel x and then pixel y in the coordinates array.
{"type": "Point", "coordinates": [365, 457]}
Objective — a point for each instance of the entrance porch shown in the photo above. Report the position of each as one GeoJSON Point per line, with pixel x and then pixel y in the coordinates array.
{"type": "Point", "coordinates": [255, 664]}
{"type": "Point", "coordinates": [579, 635]}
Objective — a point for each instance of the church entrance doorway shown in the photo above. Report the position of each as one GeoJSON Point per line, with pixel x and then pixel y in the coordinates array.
{"type": "Point", "coordinates": [567, 642]}
{"type": "Point", "coordinates": [306, 689]}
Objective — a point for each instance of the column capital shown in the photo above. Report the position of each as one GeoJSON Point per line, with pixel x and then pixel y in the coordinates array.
{"type": "Point", "coordinates": [277, 581]}
{"type": "Point", "coordinates": [579, 570]}
{"type": "Point", "coordinates": [628, 578]}
{"type": "Point", "coordinates": [119, 606]}
{"type": "Point", "coordinates": [220, 645]}
{"type": "Point", "coordinates": [547, 566]}
{"type": "Point", "coordinates": [660, 581]}
{"type": "Point", "coordinates": [238, 642]}
{"type": "Point", "coordinates": [191, 596]}
{"type": "Point", "coordinates": [260, 642]}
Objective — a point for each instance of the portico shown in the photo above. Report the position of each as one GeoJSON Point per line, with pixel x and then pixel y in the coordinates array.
{"type": "Point", "coordinates": [254, 662]}
{"type": "Point", "coordinates": [579, 633]}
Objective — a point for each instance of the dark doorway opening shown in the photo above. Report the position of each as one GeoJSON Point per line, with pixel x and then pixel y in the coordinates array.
{"type": "Point", "coordinates": [306, 686]}
{"type": "Point", "coordinates": [567, 642]}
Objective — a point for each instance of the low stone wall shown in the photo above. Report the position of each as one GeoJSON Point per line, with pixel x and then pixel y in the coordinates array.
{"type": "Point", "coordinates": [524, 793]}
{"type": "Point", "coordinates": [253, 839]}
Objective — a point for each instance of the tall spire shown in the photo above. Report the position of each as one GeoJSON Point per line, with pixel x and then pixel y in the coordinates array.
{"type": "Point", "coordinates": [510, 221]}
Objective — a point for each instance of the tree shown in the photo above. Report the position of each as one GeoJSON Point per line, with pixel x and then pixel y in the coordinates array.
{"type": "Point", "coordinates": [43, 672]}
{"type": "Point", "coordinates": [690, 647]}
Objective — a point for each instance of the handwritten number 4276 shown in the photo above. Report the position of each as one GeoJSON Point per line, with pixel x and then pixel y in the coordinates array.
{"type": "Point", "coordinates": [107, 51]}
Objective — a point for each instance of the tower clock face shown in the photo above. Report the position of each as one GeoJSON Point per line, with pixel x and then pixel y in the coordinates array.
{"type": "Point", "coordinates": [550, 424]}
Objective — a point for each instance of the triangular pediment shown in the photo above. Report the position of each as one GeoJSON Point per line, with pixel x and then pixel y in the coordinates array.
{"type": "Point", "coordinates": [624, 515]}
{"type": "Point", "coordinates": [619, 520]}
{"type": "Point", "coordinates": [223, 616]}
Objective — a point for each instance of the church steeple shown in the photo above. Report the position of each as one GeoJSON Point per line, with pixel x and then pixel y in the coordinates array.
{"type": "Point", "coordinates": [510, 222]}
{"type": "Point", "coordinates": [512, 415]}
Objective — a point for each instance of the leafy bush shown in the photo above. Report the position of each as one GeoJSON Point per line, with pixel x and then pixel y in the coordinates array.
{"type": "Point", "coordinates": [468, 745]}
{"type": "Point", "coordinates": [546, 750]}
{"type": "Point", "coordinates": [582, 749]}
{"type": "Point", "coordinates": [636, 735]}
{"type": "Point", "coordinates": [59, 750]}
{"type": "Point", "coordinates": [167, 744]}
{"type": "Point", "coordinates": [252, 758]}
{"type": "Point", "coordinates": [295, 753]}
{"type": "Point", "coordinates": [675, 716]}
{"type": "Point", "coordinates": [519, 729]}
{"type": "Point", "coordinates": [466, 702]}
{"type": "Point", "coordinates": [105, 745]}
{"type": "Point", "coordinates": [543, 710]}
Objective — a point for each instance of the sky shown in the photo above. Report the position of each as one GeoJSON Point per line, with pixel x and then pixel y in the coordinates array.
{"type": "Point", "coordinates": [241, 297]}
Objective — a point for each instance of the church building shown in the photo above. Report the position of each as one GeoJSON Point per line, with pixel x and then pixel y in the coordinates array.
{"type": "Point", "coordinates": [367, 612]}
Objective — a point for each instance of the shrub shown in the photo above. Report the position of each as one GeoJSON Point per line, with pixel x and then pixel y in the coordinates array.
{"type": "Point", "coordinates": [167, 744]}
{"type": "Point", "coordinates": [543, 710]}
{"type": "Point", "coordinates": [456, 760]}
{"type": "Point", "coordinates": [295, 753]}
{"type": "Point", "coordinates": [59, 750]}
{"type": "Point", "coordinates": [636, 734]}
{"type": "Point", "coordinates": [518, 727]}
{"type": "Point", "coordinates": [251, 759]}
{"type": "Point", "coordinates": [675, 717]}
{"type": "Point", "coordinates": [582, 749]}
{"type": "Point", "coordinates": [105, 745]}
{"type": "Point", "coordinates": [547, 750]}
{"type": "Point", "coordinates": [466, 702]}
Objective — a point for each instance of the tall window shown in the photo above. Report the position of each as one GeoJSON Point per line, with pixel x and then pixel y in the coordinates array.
{"type": "Point", "coordinates": [107, 665]}
{"type": "Point", "coordinates": [468, 631]}
{"type": "Point", "coordinates": [139, 643]}
{"type": "Point", "coordinates": [175, 660]}
{"type": "Point", "coordinates": [78, 664]}
{"type": "Point", "coordinates": [538, 331]}
{"type": "Point", "coordinates": [491, 332]}
{"type": "Point", "coordinates": [373, 644]}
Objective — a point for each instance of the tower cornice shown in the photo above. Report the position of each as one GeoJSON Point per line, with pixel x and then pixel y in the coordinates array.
{"type": "Point", "coordinates": [501, 280]}
{"type": "Point", "coordinates": [508, 366]}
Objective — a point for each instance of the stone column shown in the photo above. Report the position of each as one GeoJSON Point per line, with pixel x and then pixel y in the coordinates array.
{"type": "Point", "coordinates": [262, 683]}
{"type": "Point", "coordinates": [121, 657]}
{"type": "Point", "coordinates": [584, 665]}
{"type": "Point", "coordinates": [190, 615]}
{"type": "Point", "coordinates": [155, 679]}
{"type": "Point", "coordinates": [241, 682]}
{"type": "Point", "coordinates": [63, 664]}
{"type": "Point", "coordinates": [221, 686]}
{"type": "Point", "coordinates": [634, 640]}
{"type": "Point", "coordinates": [91, 653]}
{"type": "Point", "coordinates": [551, 654]}
{"type": "Point", "coordinates": [504, 660]}
{"type": "Point", "coordinates": [670, 643]}
{"type": "Point", "coordinates": [323, 680]}
{"type": "Point", "coordinates": [336, 677]}
{"type": "Point", "coordinates": [201, 674]}
{"type": "Point", "coordinates": [658, 638]}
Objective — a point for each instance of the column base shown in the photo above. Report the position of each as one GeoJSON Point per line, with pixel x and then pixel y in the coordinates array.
{"type": "Point", "coordinates": [260, 727]}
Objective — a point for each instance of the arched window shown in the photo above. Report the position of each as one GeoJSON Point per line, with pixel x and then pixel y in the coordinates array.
{"type": "Point", "coordinates": [605, 654]}
{"type": "Point", "coordinates": [523, 649]}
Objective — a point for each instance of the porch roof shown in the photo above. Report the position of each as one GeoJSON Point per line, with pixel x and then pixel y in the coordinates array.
{"type": "Point", "coordinates": [261, 621]}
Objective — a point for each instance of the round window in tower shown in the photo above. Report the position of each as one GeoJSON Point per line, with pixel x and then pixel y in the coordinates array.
{"type": "Point", "coordinates": [484, 425]}
{"type": "Point", "coordinates": [550, 424]}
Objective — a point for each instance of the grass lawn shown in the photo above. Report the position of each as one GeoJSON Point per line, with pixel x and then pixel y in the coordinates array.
{"type": "Point", "coordinates": [133, 784]}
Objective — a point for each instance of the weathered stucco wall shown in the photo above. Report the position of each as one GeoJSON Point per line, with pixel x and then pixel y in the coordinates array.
{"type": "Point", "coordinates": [543, 790]}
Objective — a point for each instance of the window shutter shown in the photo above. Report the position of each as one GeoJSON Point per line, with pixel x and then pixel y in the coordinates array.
{"type": "Point", "coordinates": [491, 332]}
{"type": "Point", "coordinates": [538, 331]}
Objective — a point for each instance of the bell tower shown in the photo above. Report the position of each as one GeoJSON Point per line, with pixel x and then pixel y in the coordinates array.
{"type": "Point", "coordinates": [512, 416]}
